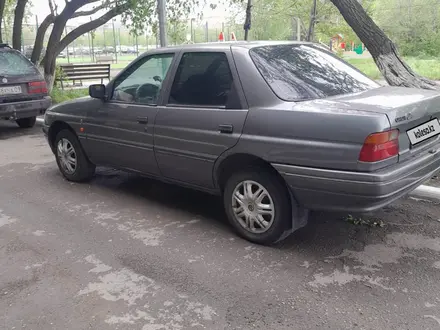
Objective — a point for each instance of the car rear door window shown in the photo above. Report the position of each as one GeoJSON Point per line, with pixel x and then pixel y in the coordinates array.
{"type": "Point", "coordinates": [142, 82]}
{"type": "Point", "coordinates": [303, 72]}
{"type": "Point", "coordinates": [12, 63]}
{"type": "Point", "coordinates": [202, 79]}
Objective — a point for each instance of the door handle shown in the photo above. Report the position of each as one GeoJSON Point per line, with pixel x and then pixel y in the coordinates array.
{"type": "Point", "coordinates": [226, 128]}
{"type": "Point", "coordinates": [142, 120]}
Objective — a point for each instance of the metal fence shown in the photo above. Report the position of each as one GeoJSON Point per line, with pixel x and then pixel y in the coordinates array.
{"type": "Point", "coordinates": [115, 43]}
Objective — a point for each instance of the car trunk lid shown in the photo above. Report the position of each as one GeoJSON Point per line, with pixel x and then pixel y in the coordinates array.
{"type": "Point", "coordinates": [414, 112]}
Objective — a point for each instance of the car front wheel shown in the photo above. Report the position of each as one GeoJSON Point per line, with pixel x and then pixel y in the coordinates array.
{"type": "Point", "coordinates": [71, 159]}
{"type": "Point", "coordinates": [26, 122]}
{"type": "Point", "coordinates": [258, 206]}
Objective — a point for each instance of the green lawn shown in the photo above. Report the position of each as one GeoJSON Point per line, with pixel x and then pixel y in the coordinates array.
{"type": "Point", "coordinates": [122, 61]}
{"type": "Point", "coordinates": [427, 67]}
{"type": "Point", "coordinates": [58, 95]}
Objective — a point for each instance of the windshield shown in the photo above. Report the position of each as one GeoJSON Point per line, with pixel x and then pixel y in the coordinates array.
{"type": "Point", "coordinates": [13, 63]}
{"type": "Point", "coordinates": [304, 72]}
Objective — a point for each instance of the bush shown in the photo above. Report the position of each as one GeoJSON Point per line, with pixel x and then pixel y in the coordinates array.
{"type": "Point", "coordinates": [59, 95]}
{"type": "Point", "coordinates": [59, 74]}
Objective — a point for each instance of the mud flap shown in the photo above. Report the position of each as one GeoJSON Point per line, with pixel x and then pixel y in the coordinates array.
{"type": "Point", "coordinates": [300, 217]}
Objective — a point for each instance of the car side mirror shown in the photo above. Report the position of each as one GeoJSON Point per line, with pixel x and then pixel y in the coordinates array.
{"type": "Point", "coordinates": [97, 91]}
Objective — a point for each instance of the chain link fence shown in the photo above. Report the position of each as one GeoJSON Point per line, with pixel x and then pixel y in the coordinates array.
{"type": "Point", "coordinates": [116, 44]}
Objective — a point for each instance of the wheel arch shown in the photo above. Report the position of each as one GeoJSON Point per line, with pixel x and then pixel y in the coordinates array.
{"type": "Point", "coordinates": [54, 129]}
{"type": "Point", "coordinates": [235, 162]}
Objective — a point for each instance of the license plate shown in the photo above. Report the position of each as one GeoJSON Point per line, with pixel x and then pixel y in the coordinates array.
{"type": "Point", "coordinates": [424, 132]}
{"type": "Point", "coordinates": [10, 90]}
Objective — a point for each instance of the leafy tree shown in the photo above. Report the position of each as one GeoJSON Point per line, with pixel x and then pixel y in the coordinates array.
{"type": "Point", "coordinates": [412, 24]}
{"type": "Point", "coordinates": [136, 14]}
{"type": "Point", "coordinates": [384, 51]}
{"type": "Point", "coordinates": [6, 12]}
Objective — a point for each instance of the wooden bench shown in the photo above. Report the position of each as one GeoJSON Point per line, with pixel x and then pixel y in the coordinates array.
{"type": "Point", "coordinates": [104, 58]}
{"type": "Point", "coordinates": [80, 72]}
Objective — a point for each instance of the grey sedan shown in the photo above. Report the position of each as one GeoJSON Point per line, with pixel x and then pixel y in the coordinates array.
{"type": "Point", "coordinates": [275, 128]}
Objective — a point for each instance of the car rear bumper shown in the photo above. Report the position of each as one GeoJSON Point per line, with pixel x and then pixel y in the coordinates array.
{"type": "Point", "coordinates": [323, 189]}
{"type": "Point", "coordinates": [24, 109]}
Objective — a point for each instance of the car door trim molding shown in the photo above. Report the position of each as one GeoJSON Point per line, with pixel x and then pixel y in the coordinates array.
{"type": "Point", "coordinates": [180, 153]}
{"type": "Point", "coordinates": [148, 147]}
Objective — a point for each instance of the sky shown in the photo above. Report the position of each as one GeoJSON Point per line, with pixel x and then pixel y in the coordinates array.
{"type": "Point", "coordinates": [40, 9]}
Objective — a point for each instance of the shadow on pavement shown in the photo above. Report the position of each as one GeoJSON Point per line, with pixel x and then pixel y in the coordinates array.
{"type": "Point", "coordinates": [326, 227]}
{"type": "Point", "coordinates": [326, 234]}
{"type": "Point", "coordinates": [9, 129]}
{"type": "Point", "coordinates": [166, 195]}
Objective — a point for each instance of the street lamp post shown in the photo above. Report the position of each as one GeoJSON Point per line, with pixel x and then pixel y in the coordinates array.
{"type": "Point", "coordinates": [114, 40]}
{"type": "Point", "coordinates": [161, 8]}
{"type": "Point", "coordinates": [193, 34]}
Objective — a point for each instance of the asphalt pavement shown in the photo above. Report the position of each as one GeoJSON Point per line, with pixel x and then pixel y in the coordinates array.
{"type": "Point", "coordinates": [125, 252]}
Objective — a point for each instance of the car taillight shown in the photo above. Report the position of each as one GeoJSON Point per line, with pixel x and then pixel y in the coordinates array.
{"type": "Point", "coordinates": [37, 87]}
{"type": "Point", "coordinates": [380, 146]}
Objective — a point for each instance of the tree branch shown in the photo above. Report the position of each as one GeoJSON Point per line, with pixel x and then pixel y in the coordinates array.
{"type": "Point", "coordinates": [92, 11]}
{"type": "Point", "coordinates": [39, 39]}
{"type": "Point", "coordinates": [89, 26]}
{"type": "Point", "coordinates": [51, 7]}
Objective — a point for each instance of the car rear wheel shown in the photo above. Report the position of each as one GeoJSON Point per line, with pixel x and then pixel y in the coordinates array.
{"type": "Point", "coordinates": [26, 122]}
{"type": "Point", "coordinates": [71, 159]}
{"type": "Point", "coordinates": [258, 206]}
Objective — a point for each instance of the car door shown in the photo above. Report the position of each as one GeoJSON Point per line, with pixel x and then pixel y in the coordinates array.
{"type": "Point", "coordinates": [203, 116]}
{"type": "Point", "coordinates": [120, 130]}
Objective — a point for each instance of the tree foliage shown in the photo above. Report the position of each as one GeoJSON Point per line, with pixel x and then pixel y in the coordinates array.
{"type": "Point", "coordinates": [136, 14]}
{"type": "Point", "coordinates": [412, 24]}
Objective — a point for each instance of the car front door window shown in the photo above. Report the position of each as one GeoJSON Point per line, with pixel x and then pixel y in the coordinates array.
{"type": "Point", "coordinates": [142, 82]}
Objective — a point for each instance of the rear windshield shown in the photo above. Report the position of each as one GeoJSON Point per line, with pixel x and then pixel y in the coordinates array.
{"type": "Point", "coordinates": [13, 63]}
{"type": "Point", "coordinates": [304, 72]}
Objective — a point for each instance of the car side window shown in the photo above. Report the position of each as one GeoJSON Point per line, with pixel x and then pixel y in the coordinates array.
{"type": "Point", "coordinates": [142, 82]}
{"type": "Point", "coordinates": [202, 79]}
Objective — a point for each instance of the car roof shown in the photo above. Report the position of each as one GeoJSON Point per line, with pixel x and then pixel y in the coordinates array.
{"type": "Point", "coordinates": [228, 44]}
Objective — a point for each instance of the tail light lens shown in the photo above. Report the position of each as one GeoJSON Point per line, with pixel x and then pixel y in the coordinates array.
{"type": "Point", "coordinates": [380, 146]}
{"type": "Point", "coordinates": [37, 87]}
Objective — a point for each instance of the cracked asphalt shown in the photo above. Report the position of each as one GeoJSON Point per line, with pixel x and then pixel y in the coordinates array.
{"type": "Point", "coordinates": [125, 252]}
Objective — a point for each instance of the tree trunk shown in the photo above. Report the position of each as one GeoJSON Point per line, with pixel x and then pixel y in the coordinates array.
{"type": "Point", "coordinates": [311, 33]}
{"type": "Point", "coordinates": [248, 20]}
{"type": "Point", "coordinates": [18, 22]}
{"type": "Point", "coordinates": [49, 60]}
{"type": "Point", "coordinates": [39, 39]}
{"type": "Point", "coordinates": [2, 9]}
{"type": "Point", "coordinates": [56, 45]}
{"type": "Point", "coordinates": [395, 71]}
{"type": "Point", "coordinates": [87, 27]}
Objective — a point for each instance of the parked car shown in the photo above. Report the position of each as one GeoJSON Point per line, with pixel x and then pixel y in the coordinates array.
{"type": "Point", "coordinates": [23, 91]}
{"type": "Point", "coordinates": [276, 128]}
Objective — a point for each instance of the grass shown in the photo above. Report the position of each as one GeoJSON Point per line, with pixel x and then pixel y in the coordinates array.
{"type": "Point", "coordinates": [123, 60]}
{"type": "Point", "coordinates": [58, 95]}
{"type": "Point", "coordinates": [427, 67]}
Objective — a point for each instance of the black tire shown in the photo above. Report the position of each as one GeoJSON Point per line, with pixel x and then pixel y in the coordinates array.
{"type": "Point", "coordinates": [281, 200]}
{"type": "Point", "coordinates": [28, 122]}
{"type": "Point", "coordinates": [84, 169]}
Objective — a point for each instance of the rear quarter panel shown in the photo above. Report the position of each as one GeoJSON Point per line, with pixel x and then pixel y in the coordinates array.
{"type": "Point", "coordinates": [309, 134]}
{"type": "Point", "coordinates": [317, 133]}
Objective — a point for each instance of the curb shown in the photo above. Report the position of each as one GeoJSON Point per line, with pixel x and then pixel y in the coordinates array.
{"type": "Point", "coordinates": [427, 192]}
